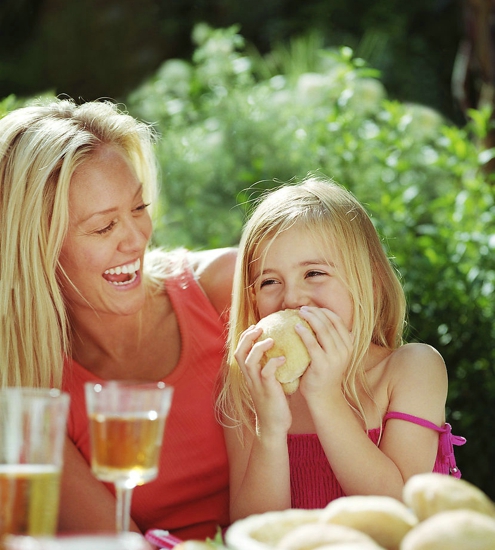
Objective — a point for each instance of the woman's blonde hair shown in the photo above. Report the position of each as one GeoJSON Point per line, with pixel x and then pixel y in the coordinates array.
{"type": "Point", "coordinates": [329, 213]}
{"type": "Point", "coordinates": [40, 148]}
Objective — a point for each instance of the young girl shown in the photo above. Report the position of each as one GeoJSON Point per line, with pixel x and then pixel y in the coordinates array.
{"type": "Point", "coordinates": [369, 410]}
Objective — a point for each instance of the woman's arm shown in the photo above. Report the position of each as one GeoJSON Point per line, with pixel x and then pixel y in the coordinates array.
{"type": "Point", "coordinates": [86, 505]}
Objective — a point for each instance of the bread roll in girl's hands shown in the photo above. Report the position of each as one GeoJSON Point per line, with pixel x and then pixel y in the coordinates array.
{"type": "Point", "coordinates": [280, 327]}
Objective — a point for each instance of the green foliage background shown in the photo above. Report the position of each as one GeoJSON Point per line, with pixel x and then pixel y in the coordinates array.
{"type": "Point", "coordinates": [91, 49]}
{"type": "Point", "coordinates": [233, 123]}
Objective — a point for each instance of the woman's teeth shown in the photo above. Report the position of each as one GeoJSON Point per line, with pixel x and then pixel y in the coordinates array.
{"type": "Point", "coordinates": [127, 269]}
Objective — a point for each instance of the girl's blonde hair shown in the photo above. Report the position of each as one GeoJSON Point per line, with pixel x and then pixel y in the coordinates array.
{"type": "Point", "coordinates": [40, 148]}
{"type": "Point", "coordinates": [329, 213]}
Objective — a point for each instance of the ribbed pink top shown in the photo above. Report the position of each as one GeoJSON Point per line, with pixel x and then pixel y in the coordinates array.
{"type": "Point", "coordinates": [313, 483]}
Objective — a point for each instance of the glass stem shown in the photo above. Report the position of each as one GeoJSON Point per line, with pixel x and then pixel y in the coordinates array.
{"type": "Point", "coordinates": [123, 514]}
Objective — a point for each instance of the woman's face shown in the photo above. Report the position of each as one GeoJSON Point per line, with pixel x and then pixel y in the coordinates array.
{"type": "Point", "coordinates": [109, 229]}
{"type": "Point", "coordinates": [296, 274]}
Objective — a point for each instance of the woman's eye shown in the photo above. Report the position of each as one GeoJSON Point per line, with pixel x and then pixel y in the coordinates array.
{"type": "Point", "coordinates": [141, 207]}
{"type": "Point", "coordinates": [106, 229]}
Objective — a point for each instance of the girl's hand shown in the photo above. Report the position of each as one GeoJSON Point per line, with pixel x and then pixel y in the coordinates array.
{"type": "Point", "coordinates": [330, 352]}
{"type": "Point", "coordinates": [272, 409]}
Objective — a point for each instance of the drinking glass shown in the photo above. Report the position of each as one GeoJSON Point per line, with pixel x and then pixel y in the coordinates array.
{"type": "Point", "coordinates": [96, 541]}
{"type": "Point", "coordinates": [32, 434]}
{"type": "Point", "coordinates": [126, 423]}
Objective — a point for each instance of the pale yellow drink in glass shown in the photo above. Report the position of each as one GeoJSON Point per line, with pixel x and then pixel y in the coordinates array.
{"type": "Point", "coordinates": [29, 497]}
{"type": "Point", "coordinates": [126, 422]}
{"type": "Point", "coordinates": [126, 446]}
{"type": "Point", "coordinates": [32, 436]}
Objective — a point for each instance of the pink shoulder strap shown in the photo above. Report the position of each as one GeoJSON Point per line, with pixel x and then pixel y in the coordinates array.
{"type": "Point", "coordinates": [414, 420]}
{"type": "Point", "coordinates": [446, 442]}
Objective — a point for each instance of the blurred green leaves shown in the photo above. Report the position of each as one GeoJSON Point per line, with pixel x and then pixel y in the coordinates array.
{"type": "Point", "coordinates": [234, 123]}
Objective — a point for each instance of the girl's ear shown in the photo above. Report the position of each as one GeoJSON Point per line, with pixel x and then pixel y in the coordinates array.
{"type": "Point", "coordinates": [254, 302]}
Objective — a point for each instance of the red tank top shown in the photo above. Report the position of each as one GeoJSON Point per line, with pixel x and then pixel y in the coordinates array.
{"type": "Point", "coordinates": [190, 496]}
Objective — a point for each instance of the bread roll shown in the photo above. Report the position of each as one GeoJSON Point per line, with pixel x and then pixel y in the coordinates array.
{"type": "Point", "coordinates": [428, 494]}
{"type": "Point", "coordinates": [452, 530]}
{"type": "Point", "coordinates": [280, 326]}
{"type": "Point", "coordinates": [264, 531]}
{"type": "Point", "coordinates": [371, 545]}
{"type": "Point", "coordinates": [312, 536]}
{"type": "Point", "coordinates": [385, 519]}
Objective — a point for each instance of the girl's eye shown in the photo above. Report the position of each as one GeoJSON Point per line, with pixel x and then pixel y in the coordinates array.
{"type": "Point", "coordinates": [314, 273]}
{"type": "Point", "coordinates": [268, 282]}
{"type": "Point", "coordinates": [106, 229]}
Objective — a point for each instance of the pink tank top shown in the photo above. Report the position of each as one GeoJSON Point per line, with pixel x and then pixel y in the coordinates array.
{"type": "Point", "coordinates": [313, 483]}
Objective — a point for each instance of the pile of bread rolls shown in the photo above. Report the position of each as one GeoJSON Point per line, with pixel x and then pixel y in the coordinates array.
{"type": "Point", "coordinates": [438, 512]}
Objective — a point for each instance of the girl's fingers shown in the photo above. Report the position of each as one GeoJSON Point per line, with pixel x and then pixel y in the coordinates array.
{"type": "Point", "coordinates": [328, 326]}
{"type": "Point", "coordinates": [249, 356]}
{"type": "Point", "coordinates": [269, 370]}
{"type": "Point", "coordinates": [268, 397]}
{"type": "Point", "coordinates": [246, 343]}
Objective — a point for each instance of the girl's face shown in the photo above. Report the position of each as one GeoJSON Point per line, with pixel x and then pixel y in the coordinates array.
{"type": "Point", "coordinates": [109, 229]}
{"type": "Point", "coordinates": [296, 274]}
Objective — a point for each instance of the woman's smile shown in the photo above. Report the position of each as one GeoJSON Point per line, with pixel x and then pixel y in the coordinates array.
{"type": "Point", "coordinates": [123, 274]}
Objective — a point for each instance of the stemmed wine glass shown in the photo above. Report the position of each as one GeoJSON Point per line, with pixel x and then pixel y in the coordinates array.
{"type": "Point", "coordinates": [126, 422]}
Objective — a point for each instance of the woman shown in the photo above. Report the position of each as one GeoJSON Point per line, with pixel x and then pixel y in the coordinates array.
{"type": "Point", "coordinates": [81, 299]}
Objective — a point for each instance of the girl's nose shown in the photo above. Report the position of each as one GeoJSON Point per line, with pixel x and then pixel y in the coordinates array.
{"type": "Point", "coordinates": [294, 298]}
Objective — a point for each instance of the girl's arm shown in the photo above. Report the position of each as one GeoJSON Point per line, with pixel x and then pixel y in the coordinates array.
{"type": "Point", "coordinates": [86, 505]}
{"type": "Point", "coordinates": [417, 384]}
{"type": "Point", "coordinates": [259, 464]}
{"type": "Point", "coordinates": [259, 473]}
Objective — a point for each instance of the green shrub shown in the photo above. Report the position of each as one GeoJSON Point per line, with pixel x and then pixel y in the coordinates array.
{"type": "Point", "coordinates": [234, 123]}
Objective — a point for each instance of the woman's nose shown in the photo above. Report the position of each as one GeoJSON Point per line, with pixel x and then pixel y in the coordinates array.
{"type": "Point", "coordinates": [135, 237]}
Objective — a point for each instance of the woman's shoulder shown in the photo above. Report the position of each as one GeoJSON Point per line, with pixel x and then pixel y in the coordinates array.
{"type": "Point", "coordinates": [214, 271]}
{"type": "Point", "coordinates": [204, 262]}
